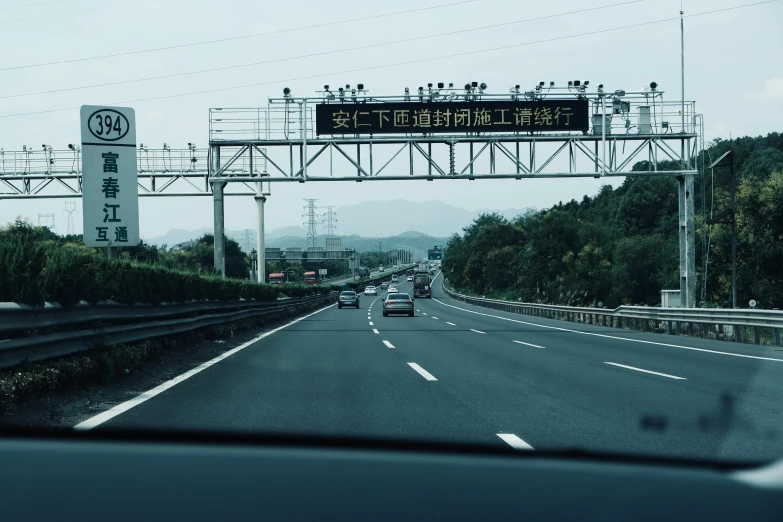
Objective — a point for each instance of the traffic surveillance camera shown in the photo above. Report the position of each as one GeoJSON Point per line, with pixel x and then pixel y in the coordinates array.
{"type": "Point", "coordinates": [70, 146]}
{"type": "Point", "coordinates": [551, 84]}
{"type": "Point", "coordinates": [440, 85]}
{"type": "Point", "coordinates": [541, 84]}
{"type": "Point", "coordinates": [361, 86]}
{"type": "Point", "coordinates": [577, 83]}
{"type": "Point", "coordinates": [570, 83]}
{"type": "Point", "coordinates": [483, 86]}
{"type": "Point", "coordinates": [429, 86]}
{"type": "Point", "coordinates": [653, 85]}
{"type": "Point", "coordinates": [326, 87]}
{"type": "Point", "coordinates": [516, 87]}
{"type": "Point", "coordinates": [586, 83]}
{"type": "Point", "coordinates": [286, 91]}
{"type": "Point", "coordinates": [421, 89]}
{"type": "Point", "coordinates": [347, 86]}
{"type": "Point", "coordinates": [467, 87]}
{"type": "Point", "coordinates": [451, 85]}
{"type": "Point", "coordinates": [474, 84]}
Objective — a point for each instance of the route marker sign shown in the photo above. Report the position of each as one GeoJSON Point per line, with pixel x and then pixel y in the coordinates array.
{"type": "Point", "coordinates": [110, 197]}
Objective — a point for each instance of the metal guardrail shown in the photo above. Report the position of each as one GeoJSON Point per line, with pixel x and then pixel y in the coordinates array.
{"type": "Point", "coordinates": [145, 323]}
{"type": "Point", "coordinates": [712, 323]}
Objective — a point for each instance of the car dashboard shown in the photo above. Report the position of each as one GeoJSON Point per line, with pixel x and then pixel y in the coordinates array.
{"type": "Point", "coordinates": [143, 477]}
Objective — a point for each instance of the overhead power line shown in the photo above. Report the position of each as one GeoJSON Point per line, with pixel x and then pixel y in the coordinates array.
{"type": "Point", "coordinates": [241, 37]}
{"type": "Point", "coordinates": [323, 53]}
{"type": "Point", "coordinates": [408, 62]}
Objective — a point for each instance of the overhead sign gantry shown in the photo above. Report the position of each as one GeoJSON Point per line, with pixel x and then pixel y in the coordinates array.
{"type": "Point", "coordinates": [469, 133]}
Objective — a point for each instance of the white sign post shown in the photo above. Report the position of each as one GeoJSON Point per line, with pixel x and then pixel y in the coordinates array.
{"type": "Point", "coordinates": [110, 197]}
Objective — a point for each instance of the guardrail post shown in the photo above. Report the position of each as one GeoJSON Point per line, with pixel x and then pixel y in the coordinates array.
{"type": "Point", "coordinates": [777, 336]}
{"type": "Point", "coordinates": [756, 335]}
{"type": "Point", "coordinates": [690, 328]}
{"type": "Point", "coordinates": [669, 327]}
{"type": "Point", "coordinates": [737, 334]}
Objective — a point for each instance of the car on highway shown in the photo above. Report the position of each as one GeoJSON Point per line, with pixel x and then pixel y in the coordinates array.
{"type": "Point", "coordinates": [410, 278]}
{"type": "Point", "coordinates": [394, 278]}
{"type": "Point", "coordinates": [393, 288]}
{"type": "Point", "coordinates": [385, 285]}
{"type": "Point", "coordinates": [370, 290]}
{"type": "Point", "coordinates": [394, 267]}
{"type": "Point", "coordinates": [348, 298]}
{"type": "Point", "coordinates": [397, 303]}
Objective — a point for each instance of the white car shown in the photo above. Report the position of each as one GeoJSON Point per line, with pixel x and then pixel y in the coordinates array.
{"type": "Point", "coordinates": [370, 290]}
{"type": "Point", "coordinates": [410, 278]}
{"type": "Point", "coordinates": [393, 289]}
{"type": "Point", "coordinates": [394, 267]}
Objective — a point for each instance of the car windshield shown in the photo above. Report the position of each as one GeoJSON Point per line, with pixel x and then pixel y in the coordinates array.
{"type": "Point", "coordinates": [203, 206]}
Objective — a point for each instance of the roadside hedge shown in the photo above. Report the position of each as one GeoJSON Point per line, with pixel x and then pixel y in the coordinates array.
{"type": "Point", "coordinates": [34, 270]}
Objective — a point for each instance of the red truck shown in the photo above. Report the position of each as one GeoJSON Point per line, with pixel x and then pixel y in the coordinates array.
{"type": "Point", "coordinates": [311, 278]}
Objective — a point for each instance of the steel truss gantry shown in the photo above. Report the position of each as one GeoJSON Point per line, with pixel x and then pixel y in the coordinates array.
{"type": "Point", "coordinates": [627, 130]}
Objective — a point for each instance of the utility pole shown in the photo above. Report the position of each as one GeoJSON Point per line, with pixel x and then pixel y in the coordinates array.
{"type": "Point", "coordinates": [330, 219]}
{"type": "Point", "coordinates": [70, 208]}
{"type": "Point", "coordinates": [310, 223]}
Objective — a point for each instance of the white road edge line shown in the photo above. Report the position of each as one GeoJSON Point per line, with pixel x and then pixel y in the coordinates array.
{"type": "Point", "coordinates": [478, 331]}
{"type": "Point", "coordinates": [109, 414]}
{"type": "Point", "coordinates": [528, 344]}
{"type": "Point", "coordinates": [452, 324]}
{"type": "Point", "coordinates": [515, 442]}
{"type": "Point", "coordinates": [647, 371]}
{"type": "Point", "coordinates": [613, 336]}
{"type": "Point", "coordinates": [421, 371]}
{"type": "Point", "coordinates": [388, 344]}
{"type": "Point", "coordinates": [375, 330]}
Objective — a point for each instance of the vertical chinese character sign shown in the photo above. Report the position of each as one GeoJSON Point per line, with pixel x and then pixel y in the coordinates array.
{"type": "Point", "coordinates": [110, 196]}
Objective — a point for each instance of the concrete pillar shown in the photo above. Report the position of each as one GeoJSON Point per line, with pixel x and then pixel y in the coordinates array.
{"type": "Point", "coordinates": [220, 244]}
{"type": "Point", "coordinates": [687, 235]}
{"type": "Point", "coordinates": [260, 200]}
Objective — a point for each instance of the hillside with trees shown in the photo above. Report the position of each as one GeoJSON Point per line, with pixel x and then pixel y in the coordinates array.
{"type": "Point", "coordinates": [621, 245]}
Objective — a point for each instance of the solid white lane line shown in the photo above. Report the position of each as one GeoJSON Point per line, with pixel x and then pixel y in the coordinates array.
{"type": "Point", "coordinates": [647, 371]}
{"type": "Point", "coordinates": [452, 324]}
{"type": "Point", "coordinates": [527, 344]}
{"type": "Point", "coordinates": [371, 324]}
{"type": "Point", "coordinates": [388, 344]}
{"type": "Point", "coordinates": [375, 331]}
{"type": "Point", "coordinates": [421, 371]}
{"type": "Point", "coordinates": [147, 395]}
{"type": "Point", "coordinates": [434, 317]}
{"type": "Point", "coordinates": [613, 336]}
{"type": "Point", "coordinates": [515, 442]}
{"type": "Point", "coordinates": [477, 331]}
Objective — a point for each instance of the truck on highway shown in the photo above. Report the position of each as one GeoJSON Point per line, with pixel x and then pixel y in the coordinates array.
{"type": "Point", "coordinates": [364, 273]}
{"type": "Point", "coordinates": [276, 279]}
{"type": "Point", "coordinates": [422, 284]}
{"type": "Point", "coordinates": [311, 278]}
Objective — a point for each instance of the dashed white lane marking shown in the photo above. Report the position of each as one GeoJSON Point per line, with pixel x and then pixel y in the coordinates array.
{"type": "Point", "coordinates": [528, 344]}
{"type": "Point", "coordinates": [515, 442]}
{"type": "Point", "coordinates": [371, 324]}
{"type": "Point", "coordinates": [647, 371]}
{"type": "Point", "coordinates": [388, 344]}
{"type": "Point", "coordinates": [477, 331]}
{"type": "Point", "coordinates": [434, 317]}
{"type": "Point", "coordinates": [452, 324]}
{"type": "Point", "coordinates": [613, 336]}
{"type": "Point", "coordinates": [375, 331]}
{"type": "Point", "coordinates": [421, 371]}
{"type": "Point", "coordinates": [147, 395]}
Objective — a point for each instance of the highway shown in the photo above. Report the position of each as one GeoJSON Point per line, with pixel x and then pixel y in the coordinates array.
{"type": "Point", "coordinates": [462, 373]}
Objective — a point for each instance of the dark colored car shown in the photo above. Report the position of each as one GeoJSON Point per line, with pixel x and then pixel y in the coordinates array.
{"type": "Point", "coordinates": [348, 298]}
{"type": "Point", "coordinates": [398, 304]}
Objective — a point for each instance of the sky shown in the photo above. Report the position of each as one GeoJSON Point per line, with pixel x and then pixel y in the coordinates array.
{"type": "Point", "coordinates": [733, 72]}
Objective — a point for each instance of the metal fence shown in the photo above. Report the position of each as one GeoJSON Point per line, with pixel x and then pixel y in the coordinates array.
{"type": "Point", "coordinates": [738, 325]}
{"type": "Point", "coordinates": [29, 335]}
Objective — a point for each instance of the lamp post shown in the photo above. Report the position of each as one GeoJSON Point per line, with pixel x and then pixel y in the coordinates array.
{"type": "Point", "coordinates": [729, 217]}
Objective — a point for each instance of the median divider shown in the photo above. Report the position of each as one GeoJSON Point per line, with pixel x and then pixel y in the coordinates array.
{"type": "Point", "coordinates": [108, 324]}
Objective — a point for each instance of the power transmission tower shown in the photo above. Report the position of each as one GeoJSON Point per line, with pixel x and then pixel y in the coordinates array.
{"type": "Point", "coordinates": [310, 223]}
{"type": "Point", "coordinates": [43, 221]}
{"type": "Point", "coordinates": [248, 239]}
{"type": "Point", "coordinates": [70, 208]}
{"type": "Point", "coordinates": [330, 219]}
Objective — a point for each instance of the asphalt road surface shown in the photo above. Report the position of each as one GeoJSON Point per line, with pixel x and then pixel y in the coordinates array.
{"type": "Point", "coordinates": [462, 373]}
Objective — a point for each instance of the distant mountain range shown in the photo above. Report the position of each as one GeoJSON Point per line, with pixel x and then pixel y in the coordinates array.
{"type": "Point", "coordinates": [395, 222]}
